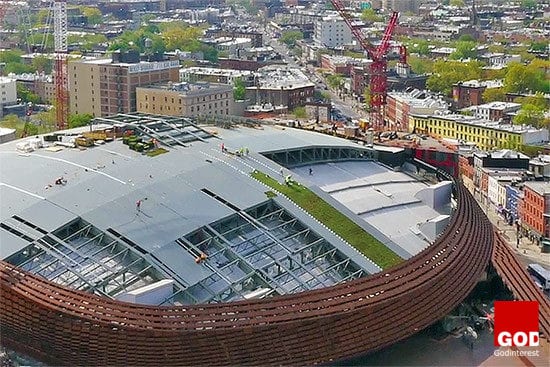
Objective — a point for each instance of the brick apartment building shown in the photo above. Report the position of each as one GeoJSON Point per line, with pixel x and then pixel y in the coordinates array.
{"type": "Point", "coordinates": [470, 93]}
{"type": "Point", "coordinates": [104, 87]}
{"type": "Point", "coordinates": [534, 211]}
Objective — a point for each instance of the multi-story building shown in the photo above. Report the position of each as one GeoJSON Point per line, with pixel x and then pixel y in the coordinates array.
{"type": "Point", "coordinates": [495, 111]}
{"type": "Point", "coordinates": [497, 180]}
{"type": "Point", "coordinates": [540, 166]}
{"type": "Point", "coordinates": [214, 75]}
{"type": "Point", "coordinates": [400, 104]}
{"type": "Point", "coordinates": [535, 209]}
{"type": "Point", "coordinates": [281, 86]}
{"type": "Point", "coordinates": [342, 64]}
{"type": "Point", "coordinates": [103, 87]}
{"type": "Point", "coordinates": [513, 200]}
{"type": "Point", "coordinates": [185, 99]}
{"type": "Point", "coordinates": [508, 164]}
{"type": "Point", "coordinates": [485, 134]}
{"type": "Point", "coordinates": [331, 32]}
{"type": "Point", "coordinates": [8, 91]}
{"type": "Point", "coordinates": [470, 93]}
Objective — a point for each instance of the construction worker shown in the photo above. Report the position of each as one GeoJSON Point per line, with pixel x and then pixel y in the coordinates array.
{"type": "Point", "coordinates": [138, 205]}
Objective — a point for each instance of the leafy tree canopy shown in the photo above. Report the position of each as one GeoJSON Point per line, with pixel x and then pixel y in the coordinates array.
{"type": "Point", "coordinates": [527, 78]}
{"type": "Point", "coordinates": [42, 64]}
{"type": "Point", "coordinates": [239, 90]}
{"type": "Point", "coordinates": [464, 50]}
{"type": "Point", "coordinates": [369, 15]}
{"type": "Point", "coordinates": [26, 95]}
{"type": "Point", "coordinates": [78, 120]}
{"type": "Point", "coordinates": [93, 15]}
{"type": "Point", "coordinates": [446, 73]}
{"type": "Point", "coordinates": [493, 95]}
{"type": "Point", "coordinates": [290, 37]}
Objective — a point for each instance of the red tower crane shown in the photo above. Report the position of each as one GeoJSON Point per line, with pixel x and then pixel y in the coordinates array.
{"type": "Point", "coordinates": [378, 83]}
{"type": "Point", "coordinates": [61, 72]}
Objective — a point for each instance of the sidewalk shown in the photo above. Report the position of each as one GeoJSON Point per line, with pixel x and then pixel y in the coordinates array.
{"type": "Point", "coordinates": [527, 249]}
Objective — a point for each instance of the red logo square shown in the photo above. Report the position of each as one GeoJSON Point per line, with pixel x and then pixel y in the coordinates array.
{"type": "Point", "coordinates": [516, 322]}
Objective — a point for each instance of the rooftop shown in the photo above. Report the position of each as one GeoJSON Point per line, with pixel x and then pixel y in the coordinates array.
{"type": "Point", "coordinates": [483, 83]}
{"type": "Point", "coordinates": [215, 71]}
{"type": "Point", "coordinates": [542, 188]}
{"type": "Point", "coordinates": [280, 77]}
{"type": "Point", "coordinates": [189, 89]}
{"type": "Point", "coordinates": [72, 215]}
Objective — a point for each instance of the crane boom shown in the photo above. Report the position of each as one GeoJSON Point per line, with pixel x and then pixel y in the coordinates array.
{"type": "Point", "coordinates": [378, 79]}
{"type": "Point", "coordinates": [61, 72]}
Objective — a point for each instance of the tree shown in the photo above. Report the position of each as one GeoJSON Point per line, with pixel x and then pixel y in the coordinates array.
{"type": "Point", "coordinates": [528, 4]}
{"type": "Point", "coordinates": [335, 81]}
{"type": "Point", "coordinates": [290, 37]}
{"type": "Point", "coordinates": [42, 64]}
{"type": "Point", "coordinates": [369, 15]}
{"type": "Point", "coordinates": [18, 68]}
{"type": "Point", "coordinates": [420, 65]}
{"type": "Point", "coordinates": [539, 46]}
{"type": "Point", "coordinates": [466, 38]}
{"type": "Point", "coordinates": [299, 112]}
{"type": "Point", "coordinates": [538, 100]}
{"type": "Point", "coordinates": [11, 56]}
{"type": "Point", "coordinates": [26, 95]}
{"type": "Point", "coordinates": [446, 73]}
{"type": "Point", "coordinates": [78, 120]}
{"type": "Point", "coordinates": [530, 115]}
{"type": "Point", "coordinates": [464, 50]}
{"type": "Point", "coordinates": [493, 94]}
{"type": "Point", "coordinates": [239, 90]}
{"type": "Point", "coordinates": [93, 15]}
{"type": "Point", "coordinates": [526, 78]}
{"type": "Point", "coordinates": [458, 3]}
{"type": "Point", "coordinates": [420, 46]}
{"type": "Point", "coordinates": [367, 97]}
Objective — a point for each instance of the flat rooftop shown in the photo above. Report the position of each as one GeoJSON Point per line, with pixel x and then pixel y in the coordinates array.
{"type": "Point", "coordinates": [89, 232]}
{"type": "Point", "coordinates": [386, 200]}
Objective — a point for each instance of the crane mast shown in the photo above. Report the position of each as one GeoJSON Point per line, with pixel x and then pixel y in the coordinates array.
{"type": "Point", "coordinates": [61, 72]}
{"type": "Point", "coordinates": [378, 79]}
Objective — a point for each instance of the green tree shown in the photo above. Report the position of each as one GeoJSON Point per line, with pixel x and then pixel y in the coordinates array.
{"type": "Point", "coordinates": [11, 56]}
{"type": "Point", "coordinates": [42, 64]}
{"type": "Point", "coordinates": [369, 15]}
{"type": "Point", "coordinates": [335, 81]}
{"type": "Point", "coordinates": [538, 100]}
{"type": "Point", "coordinates": [446, 73]}
{"type": "Point", "coordinates": [464, 50]}
{"type": "Point", "coordinates": [493, 94]}
{"type": "Point", "coordinates": [93, 15]}
{"type": "Point", "coordinates": [420, 65]}
{"type": "Point", "coordinates": [539, 46]}
{"type": "Point", "coordinates": [530, 115]}
{"type": "Point", "coordinates": [18, 68]}
{"type": "Point", "coordinates": [299, 112]}
{"type": "Point", "coordinates": [527, 78]}
{"type": "Point", "coordinates": [459, 3]}
{"type": "Point", "coordinates": [420, 46]}
{"type": "Point", "coordinates": [528, 4]}
{"type": "Point", "coordinates": [466, 38]}
{"type": "Point", "coordinates": [290, 37]}
{"type": "Point", "coordinates": [367, 98]}
{"type": "Point", "coordinates": [239, 90]}
{"type": "Point", "coordinates": [26, 95]}
{"type": "Point", "coordinates": [78, 120]}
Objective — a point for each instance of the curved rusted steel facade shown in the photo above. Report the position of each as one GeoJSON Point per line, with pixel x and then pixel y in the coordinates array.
{"type": "Point", "coordinates": [61, 326]}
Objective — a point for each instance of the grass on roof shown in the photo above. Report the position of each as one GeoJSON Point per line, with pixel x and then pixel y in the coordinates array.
{"type": "Point", "coordinates": [155, 152]}
{"type": "Point", "coordinates": [333, 219]}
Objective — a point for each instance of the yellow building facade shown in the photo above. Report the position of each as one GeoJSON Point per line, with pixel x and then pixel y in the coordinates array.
{"type": "Point", "coordinates": [486, 135]}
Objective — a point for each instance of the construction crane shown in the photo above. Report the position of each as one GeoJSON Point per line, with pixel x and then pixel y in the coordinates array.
{"type": "Point", "coordinates": [61, 72]}
{"type": "Point", "coordinates": [378, 83]}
